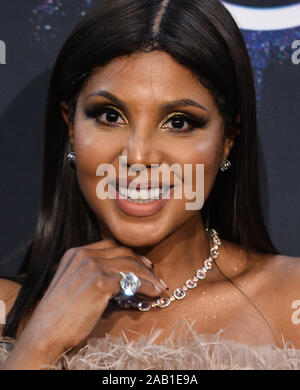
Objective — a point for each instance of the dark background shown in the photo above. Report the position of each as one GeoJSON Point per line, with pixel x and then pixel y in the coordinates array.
{"type": "Point", "coordinates": [33, 37]}
{"type": "Point", "coordinates": [262, 3]}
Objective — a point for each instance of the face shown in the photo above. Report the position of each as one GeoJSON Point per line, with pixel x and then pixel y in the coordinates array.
{"type": "Point", "coordinates": [149, 109]}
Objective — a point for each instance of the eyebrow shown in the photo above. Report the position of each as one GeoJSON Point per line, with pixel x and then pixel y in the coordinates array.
{"type": "Point", "coordinates": [164, 107]}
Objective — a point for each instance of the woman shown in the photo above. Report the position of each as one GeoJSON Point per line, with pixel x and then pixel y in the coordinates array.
{"type": "Point", "coordinates": [154, 82]}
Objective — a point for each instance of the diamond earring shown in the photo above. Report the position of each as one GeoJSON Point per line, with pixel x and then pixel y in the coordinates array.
{"type": "Point", "coordinates": [72, 159]}
{"type": "Point", "coordinates": [225, 165]}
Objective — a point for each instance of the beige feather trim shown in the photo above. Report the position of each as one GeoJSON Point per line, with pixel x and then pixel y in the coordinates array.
{"type": "Point", "coordinates": [193, 352]}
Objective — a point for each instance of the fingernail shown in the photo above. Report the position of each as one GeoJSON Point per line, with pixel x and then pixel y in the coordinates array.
{"type": "Point", "coordinates": [164, 284]}
{"type": "Point", "coordinates": [147, 261]}
{"type": "Point", "coordinates": [157, 289]}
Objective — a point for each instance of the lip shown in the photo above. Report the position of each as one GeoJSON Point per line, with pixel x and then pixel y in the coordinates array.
{"type": "Point", "coordinates": [142, 209]}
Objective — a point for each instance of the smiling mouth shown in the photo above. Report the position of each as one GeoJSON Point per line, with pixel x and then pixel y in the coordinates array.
{"type": "Point", "coordinates": [145, 200]}
{"type": "Point", "coordinates": [141, 193]}
{"type": "Point", "coordinates": [144, 195]}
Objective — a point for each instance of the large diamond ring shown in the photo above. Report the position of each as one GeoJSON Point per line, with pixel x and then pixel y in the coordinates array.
{"type": "Point", "coordinates": [130, 283]}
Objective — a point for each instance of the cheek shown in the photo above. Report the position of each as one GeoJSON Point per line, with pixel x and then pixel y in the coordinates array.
{"type": "Point", "coordinates": [209, 154]}
{"type": "Point", "coordinates": [206, 150]}
{"type": "Point", "coordinates": [92, 149]}
{"type": "Point", "coordinates": [91, 145]}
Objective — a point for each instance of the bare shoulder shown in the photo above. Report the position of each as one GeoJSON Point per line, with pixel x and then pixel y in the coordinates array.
{"type": "Point", "coordinates": [8, 288]}
{"type": "Point", "coordinates": [284, 271]}
{"type": "Point", "coordinates": [9, 291]}
{"type": "Point", "coordinates": [281, 298]}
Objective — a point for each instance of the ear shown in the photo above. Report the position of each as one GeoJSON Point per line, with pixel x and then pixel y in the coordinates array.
{"type": "Point", "coordinates": [229, 142]}
{"type": "Point", "coordinates": [66, 113]}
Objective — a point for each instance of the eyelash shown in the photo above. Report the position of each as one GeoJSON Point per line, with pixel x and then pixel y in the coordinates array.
{"type": "Point", "coordinates": [192, 121]}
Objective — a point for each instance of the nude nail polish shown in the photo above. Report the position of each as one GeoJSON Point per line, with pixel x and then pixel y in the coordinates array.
{"type": "Point", "coordinates": [164, 284]}
{"type": "Point", "coordinates": [147, 261]}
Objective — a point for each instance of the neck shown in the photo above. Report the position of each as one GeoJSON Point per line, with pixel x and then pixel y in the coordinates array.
{"type": "Point", "coordinates": [179, 255]}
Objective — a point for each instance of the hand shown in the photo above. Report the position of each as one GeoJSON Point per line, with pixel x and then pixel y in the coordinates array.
{"type": "Point", "coordinates": [86, 279]}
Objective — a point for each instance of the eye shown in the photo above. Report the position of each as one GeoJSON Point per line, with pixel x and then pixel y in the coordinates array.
{"type": "Point", "coordinates": [183, 124]}
{"type": "Point", "coordinates": [106, 116]}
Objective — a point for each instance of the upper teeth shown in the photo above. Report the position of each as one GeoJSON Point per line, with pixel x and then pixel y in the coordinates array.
{"type": "Point", "coordinates": [143, 193]}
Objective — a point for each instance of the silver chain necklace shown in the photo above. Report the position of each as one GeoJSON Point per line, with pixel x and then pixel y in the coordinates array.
{"type": "Point", "coordinates": [180, 292]}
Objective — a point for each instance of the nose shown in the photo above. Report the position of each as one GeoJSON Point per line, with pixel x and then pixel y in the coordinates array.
{"type": "Point", "coordinates": [142, 149]}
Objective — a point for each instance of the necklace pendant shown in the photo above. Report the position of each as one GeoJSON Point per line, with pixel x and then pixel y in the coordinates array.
{"type": "Point", "coordinates": [201, 273]}
{"type": "Point", "coordinates": [214, 253]}
{"type": "Point", "coordinates": [208, 264]}
{"type": "Point", "coordinates": [191, 283]}
{"type": "Point", "coordinates": [216, 240]}
{"type": "Point", "coordinates": [213, 232]}
{"type": "Point", "coordinates": [179, 293]}
{"type": "Point", "coordinates": [163, 302]}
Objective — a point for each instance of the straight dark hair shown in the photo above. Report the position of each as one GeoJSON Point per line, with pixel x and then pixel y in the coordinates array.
{"type": "Point", "coordinates": [202, 36]}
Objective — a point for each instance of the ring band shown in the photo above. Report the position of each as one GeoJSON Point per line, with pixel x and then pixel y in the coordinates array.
{"type": "Point", "coordinates": [129, 283]}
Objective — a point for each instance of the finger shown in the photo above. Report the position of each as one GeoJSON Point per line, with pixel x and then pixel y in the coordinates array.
{"type": "Point", "coordinates": [103, 244]}
{"type": "Point", "coordinates": [146, 261]}
{"type": "Point", "coordinates": [65, 262]}
{"type": "Point", "coordinates": [72, 252]}
{"type": "Point", "coordinates": [128, 264]}
{"type": "Point", "coordinates": [149, 289]}
{"type": "Point", "coordinates": [112, 252]}
{"type": "Point", "coordinates": [120, 251]}
{"type": "Point", "coordinates": [68, 258]}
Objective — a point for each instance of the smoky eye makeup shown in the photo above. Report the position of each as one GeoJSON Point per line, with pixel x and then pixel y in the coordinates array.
{"type": "Point", "coordinates": [178, 118]}
{"type": "Point", "coordinates": [95, 111]}
{"type": "Point", "coordinates": [174, 123]}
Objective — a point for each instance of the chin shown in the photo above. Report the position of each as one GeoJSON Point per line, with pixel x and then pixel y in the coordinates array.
{"type": "Point", "coordinates": [139, 237]}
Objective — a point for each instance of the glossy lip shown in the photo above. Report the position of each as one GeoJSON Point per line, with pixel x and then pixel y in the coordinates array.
{"type": "Point", "coordinates": [142, 209]}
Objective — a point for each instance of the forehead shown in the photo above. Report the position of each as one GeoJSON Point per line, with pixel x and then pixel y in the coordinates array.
{"type": "Point", "coordinates": [153, 75]}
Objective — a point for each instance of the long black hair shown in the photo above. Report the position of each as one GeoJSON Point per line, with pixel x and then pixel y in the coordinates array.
{"type": "Point", "coordinates": [202, 36]}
